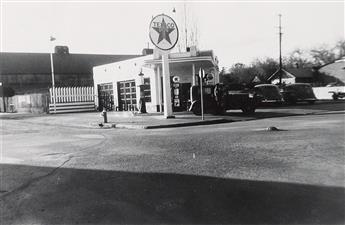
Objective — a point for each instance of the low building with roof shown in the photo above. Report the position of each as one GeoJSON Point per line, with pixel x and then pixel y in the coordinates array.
{"type": "Point", "coordinates": [30, 76]}
{"type": "Point", "coordinates": [31, 72]}
{"type": "Point", "coordinates": [122, 82]}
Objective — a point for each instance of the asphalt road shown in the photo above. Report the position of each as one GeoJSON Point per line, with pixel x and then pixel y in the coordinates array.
{"type": "Point", "coordinates": [234, 173]}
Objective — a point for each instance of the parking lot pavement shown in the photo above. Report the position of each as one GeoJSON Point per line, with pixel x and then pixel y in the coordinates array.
{"type": "Point", "coordinates": [225, 174]}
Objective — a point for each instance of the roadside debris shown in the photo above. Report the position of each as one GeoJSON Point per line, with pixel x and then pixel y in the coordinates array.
{"type": "Point", "coordinates": [273, 129]}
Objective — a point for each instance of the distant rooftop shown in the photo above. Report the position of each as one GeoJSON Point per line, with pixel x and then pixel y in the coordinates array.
{"type": "Point", "coordinates": [336, 69]}
{"type": "Point", "coordinates": [39, 63]}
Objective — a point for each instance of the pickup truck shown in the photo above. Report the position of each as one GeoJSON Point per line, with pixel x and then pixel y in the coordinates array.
{"type": "Point", "coordinates": [219, 99]}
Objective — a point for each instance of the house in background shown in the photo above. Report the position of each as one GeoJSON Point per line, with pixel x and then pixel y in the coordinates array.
{"type": "Point", "coordinates": [29, 74]}
{"type": "Point", "coordinates": [294, 75]}
{"type": "Point", "coordinates": [331, 73]}
{"type": "Point", "coordinates": [287, 78]}
{"type": "Point", "coordinates": [303, 75]}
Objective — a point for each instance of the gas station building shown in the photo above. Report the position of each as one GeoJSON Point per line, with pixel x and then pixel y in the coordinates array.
{"type": "Point", "coordinates": [124, 82]}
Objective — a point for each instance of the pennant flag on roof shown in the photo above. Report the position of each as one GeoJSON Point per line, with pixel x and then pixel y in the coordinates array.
{"type": "Point", "coordinates": [52, 38]}
{"type": "Point", "coordinates": [256, 79]}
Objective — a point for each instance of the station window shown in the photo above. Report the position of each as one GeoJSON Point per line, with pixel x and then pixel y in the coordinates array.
{"type": "Point", "coordinates": [147, 90]}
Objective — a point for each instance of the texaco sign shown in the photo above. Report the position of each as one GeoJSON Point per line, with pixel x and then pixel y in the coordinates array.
{"type": "Point", "coordinates": [163, 32]}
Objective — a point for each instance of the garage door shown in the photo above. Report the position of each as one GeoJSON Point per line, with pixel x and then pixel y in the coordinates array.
{"type": "Point", "coordinates": [127, 95]}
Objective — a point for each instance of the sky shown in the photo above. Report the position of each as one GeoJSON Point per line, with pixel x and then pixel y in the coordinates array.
{"type": "Point", "coordinates": [236, 31]}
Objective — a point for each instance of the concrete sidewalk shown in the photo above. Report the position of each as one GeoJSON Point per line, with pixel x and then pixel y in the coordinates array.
{"type": "Point", "coordinates": [157, 120]}
{"type": "Point", "coordinates": [127, 120]}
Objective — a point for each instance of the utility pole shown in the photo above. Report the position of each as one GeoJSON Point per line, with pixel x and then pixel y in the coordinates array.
{"type": "Point", "coordinates": [185, 24]}
{"type": "Point", "coordinates": [280, 51]}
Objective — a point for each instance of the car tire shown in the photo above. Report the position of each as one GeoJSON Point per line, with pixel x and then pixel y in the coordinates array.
{"type": "Point", "coordinates": [248, 109]}
{"type": "Point", "coordinates": [335, 96]}
{"type": "Point", "coordinates": [197, 109]}
{"type": "Point", "coordinates": [292, 101]}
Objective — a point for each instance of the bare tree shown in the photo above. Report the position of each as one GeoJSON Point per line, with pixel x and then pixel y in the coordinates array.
{"type": "Point", "coordinates": [340, 48]}
{"type": "Point", "coordinates": [264, 68]}
{"type": "Point", "coordinates": [316, 56]}
{"type": "Point", "coordinates": [322, 55]}
{"type": "Point", "coordinates": [188, 28]}
{"type": "Point", "coordinates": [298, 58]}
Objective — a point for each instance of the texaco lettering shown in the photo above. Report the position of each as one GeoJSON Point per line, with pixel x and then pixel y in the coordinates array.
{"type": "Point", "coordinates": [163, 32]}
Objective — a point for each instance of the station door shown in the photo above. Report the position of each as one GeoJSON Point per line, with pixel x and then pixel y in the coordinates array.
{"type": "Point", "coordinates": [127, 95]}
{"type": "Point", "coordinates": [105, 97]}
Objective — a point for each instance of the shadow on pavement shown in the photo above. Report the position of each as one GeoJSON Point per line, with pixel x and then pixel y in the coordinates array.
{"type": "Point", "coordinates": [82, 196]}
{"type": "Point", "coordinates": [319, 105]}
{"type": "Point", "coordinates": [259, 115]}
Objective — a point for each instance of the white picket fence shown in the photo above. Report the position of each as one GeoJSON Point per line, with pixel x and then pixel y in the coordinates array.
{"type": "Point", "coordinates": [72, 99]}
{"type": "Point", "coordinates": [72, 94]}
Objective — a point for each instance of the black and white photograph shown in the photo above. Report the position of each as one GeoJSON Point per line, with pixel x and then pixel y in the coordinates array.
{"type": "Point", "coordinates": [181, 112]}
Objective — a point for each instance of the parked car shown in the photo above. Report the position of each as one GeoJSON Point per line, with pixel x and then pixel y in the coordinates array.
{"type": "Point", "coordinates": [299, 92]}
{"type": "Point", "coordinates": [270, 94]}
{"type": "Point", "coordinates": [225, 98]}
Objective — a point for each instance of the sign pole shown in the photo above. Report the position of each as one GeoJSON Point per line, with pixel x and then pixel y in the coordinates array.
{"type": "Point", "coordinates": [166, 86]}
{"type": "Point", "coordinates": [53, 80]}
{"type": "Point", "coordinates": [159, 86]}
{"type": "Point", "coordinates": [52, 72]}
{"type": "Point", "coordinates": [164, 35]}
{"type": "Point", "coordinates": [201, 71]}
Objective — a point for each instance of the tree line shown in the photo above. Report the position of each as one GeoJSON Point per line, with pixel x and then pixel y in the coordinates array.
{"type": "Point", "coordinates": [311, 59]}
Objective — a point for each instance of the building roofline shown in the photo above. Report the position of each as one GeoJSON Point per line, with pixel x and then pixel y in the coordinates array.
{"type": "Point", "coordinates": [126, 60]}
{"type": "Point", "coordinates": [275, 73]}
{"type": "Point", "coordinates": [76, 53]}
{"type": "Point", "coordinates": [183, 59]}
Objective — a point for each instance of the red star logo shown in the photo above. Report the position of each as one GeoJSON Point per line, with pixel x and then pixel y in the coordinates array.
{"type": "Point", "coordinates": [164, 32]}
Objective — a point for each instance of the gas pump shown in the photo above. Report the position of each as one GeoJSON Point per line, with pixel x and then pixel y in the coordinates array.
{"type": "Point", "coordinates": [176, 92]}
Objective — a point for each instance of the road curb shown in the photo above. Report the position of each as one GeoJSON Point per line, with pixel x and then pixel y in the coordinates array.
{"type": "Point", "coordinates": [186, 124]}
{"type": "Point", "coordinates": [207, 122]}
{"type": "Point", "coordinates": [330, 112]}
